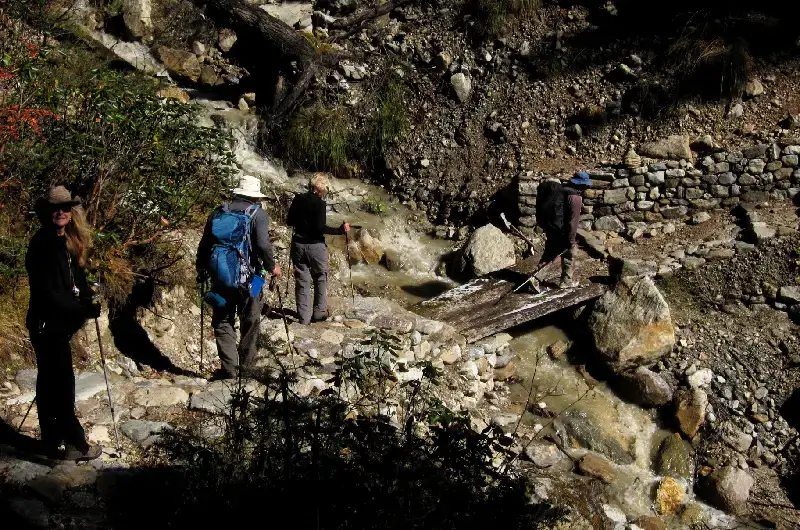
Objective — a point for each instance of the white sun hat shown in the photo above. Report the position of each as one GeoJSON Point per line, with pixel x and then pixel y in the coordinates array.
{"type": "Point", "coordinates": [249, 186]}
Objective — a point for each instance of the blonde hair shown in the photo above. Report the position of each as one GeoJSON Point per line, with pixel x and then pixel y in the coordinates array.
{"type": "Point", "coordinates": [319, 182]}
{"type": "Point", "coordinates": [79, 235]}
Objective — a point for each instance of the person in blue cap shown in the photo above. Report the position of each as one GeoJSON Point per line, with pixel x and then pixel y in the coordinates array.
{"type": "Point", "coordinates": [560, 233]}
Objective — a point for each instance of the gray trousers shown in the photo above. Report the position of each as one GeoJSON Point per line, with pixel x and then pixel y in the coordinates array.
{"type": "Point", "coordinates": [223, 321]}
{"type": "Point", "coordinates": [310, 262]}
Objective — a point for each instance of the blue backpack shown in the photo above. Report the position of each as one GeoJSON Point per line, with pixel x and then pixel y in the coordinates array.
{"type": "Point", "coordinates": [230, 269]}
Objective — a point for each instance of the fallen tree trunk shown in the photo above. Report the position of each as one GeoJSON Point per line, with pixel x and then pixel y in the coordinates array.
{"type": "Point", "coordinates": [369, 14]}
{"type": "Point", "coordinates": [269, 43]}
{"type": "Point", "coordinates": [258, 26]}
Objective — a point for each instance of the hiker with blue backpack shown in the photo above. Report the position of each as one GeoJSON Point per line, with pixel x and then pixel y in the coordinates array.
{"type": "Point", "coordinates": [235, 255]}
{"type": "Point", "coordinates": [558, 213]}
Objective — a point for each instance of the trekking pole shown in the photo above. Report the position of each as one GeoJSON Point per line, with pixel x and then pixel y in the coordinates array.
{"type": "Point", "coordinates": [25, 417]}
{"type": "Point", "coordinates": [349, 265]}
{"type": "Point", "coordinates": [202, 323]}
{"type": "Point", "coordinates": [108, 385]}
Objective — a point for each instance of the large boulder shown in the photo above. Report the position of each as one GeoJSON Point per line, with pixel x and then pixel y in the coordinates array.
{"type": "Point", "coordinates": [729, 488]}
{"type": "Point", "coordinates": [136, 15]}
{"type": "Point", "coordinates": [365, 247]}
{"type": "Point", "coordinates": [675, 147]}
{"type": "Point", "coordinates": [631, 324]}
{"type": "Point", "coordinates": [182, 63]}
{"type": "Point", "coordinates": [488, 250]}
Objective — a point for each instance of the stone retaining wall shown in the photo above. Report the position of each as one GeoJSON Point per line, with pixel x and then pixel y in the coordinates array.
{"type": "Point", "coordinates": [633, 199]}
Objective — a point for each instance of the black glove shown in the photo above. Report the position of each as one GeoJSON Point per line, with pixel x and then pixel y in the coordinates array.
{"type": "Point", "coordinates": [93, 310]}
{"type": "Point", "coordinates": [202, 277]}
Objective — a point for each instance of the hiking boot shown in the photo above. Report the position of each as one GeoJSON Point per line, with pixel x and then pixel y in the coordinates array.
{"type": "Point", "coordinates": [566, 283]}
{"type": "Point", "coordinates": [319, 317]}
{"type": "Point", "coordinates": [73, 453]}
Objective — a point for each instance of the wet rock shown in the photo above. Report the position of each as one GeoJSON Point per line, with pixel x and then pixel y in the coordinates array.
{"type": "Point", "coordinates": [136, 15]}
{"type": "Point", "coordinates": [615, 515]}
{"type": "Point", "coordinates": [582, 431]}
{"type": "Point", "coordinates": [646, 388]}
{"type": "Point", "coordinates": [140, 430]}
{"type": "Point", "coordinates": [691, 410]}
{"type": "Point", "coordinates": [505, 373]}
{"type": "Point", "coordinates": [488, 250]}
{"type": "Point", "coordinates": [596, 466]}
{"type": "Point", "coordinates": [669, 496]}
{"type": "Point", "coordinates": [675, 458]}
{"type": "Point", "coordinates": [675, 147]}
{"type": "Point", "coordinates": [558, 349]}
{"type": "Point", "coordinates": [729, 489]}
{"type": "Point", "coordinates": [367, 248]}
{"type": "Point", "coordinates": [182, 63]}
{"type": "Point", "coordinates": [547, 455]}
{"type": "Point", "coordinates": [650, 522]}
{"type": "Point", "coordinates": [631, 324]}
{"type": "Point", "coordinates": [462, 86]}
{"type": "Point", "coordinates": [693, 516]}
{"type": "Point", "coordinates": [166, 396]}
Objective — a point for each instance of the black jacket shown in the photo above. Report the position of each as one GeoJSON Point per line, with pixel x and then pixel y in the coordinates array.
{"type": "Point", "coordinates": [307, 216]}
{"type": "Point", "coordinates": [52, 272]}
{"type": "Point", "coordinates": [261, 252]}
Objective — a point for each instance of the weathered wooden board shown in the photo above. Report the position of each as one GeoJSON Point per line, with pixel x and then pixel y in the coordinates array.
{"type": "Point", "coordinates": [485, 306]}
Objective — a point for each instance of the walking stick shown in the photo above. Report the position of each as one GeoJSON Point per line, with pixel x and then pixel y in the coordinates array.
{"type": "Point", "coordinates": [349, 265]}
{"type": "Point", "coordinates": [202, 323]}
{"type": "Point", "coordinates": [108, 386]}
{"type": "Point", "coordinates": [25, 417]}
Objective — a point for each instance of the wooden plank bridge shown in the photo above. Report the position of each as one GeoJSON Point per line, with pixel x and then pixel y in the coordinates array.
{"type": "Point", "coordinates": [486, 305]}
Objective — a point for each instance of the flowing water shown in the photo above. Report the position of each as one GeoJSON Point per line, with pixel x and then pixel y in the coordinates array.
{"type": "Point", "coordinates": [557, 385]}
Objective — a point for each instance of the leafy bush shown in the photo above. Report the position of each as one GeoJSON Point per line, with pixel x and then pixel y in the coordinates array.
{"type": "Point", "coordinates": [375, 206]}
{"type": "Point", "coordinates": [142, 164]}
{"type": "Point", "coordinates": [494, 17]}
{"type": "Point", "coordinates": [318, 138]}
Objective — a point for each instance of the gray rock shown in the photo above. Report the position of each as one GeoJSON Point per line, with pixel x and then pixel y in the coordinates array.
{"type": "Point", "coordinates": [227, 38]}
{"type": "Point", "coordinates": [675, 147]}
{"type": "Point", "coordinates": [19, 472]}
{"type": "Point", "coordinates": [213, 399]}
{"type": "Point", "coordinates": [647, 388]}
{"type": "Point", "coordinates": [692, 263]}
{"type": "Point", "coordinates": [140, 430]}
{"type": "Point", "coordinates": [763, 231]}
{"type": "Point", "coordinates": [163, 396]}
{"type": "Point", "coordinates": [583, 432]}
{"type": "Point", "coordinates": [137, 17]}
{"type": "Point", "coordinates": [701, 217]}
{"type": "Point", "coordinates": [88, 385]}
{"type": "Point", "coordinates": [729, 489]}
{"type": "Point", "coordinates": [26, 380]}
{"type": "Point", "coordinates": [753, 89]}
{"type": "Point", "coordinates": [756, 166]}
{"type": "Point", "coordinates": [631, 324]}
{"type": "Point", "coordinates": [736, 111]}
{"type": "Point", "coordinates": [610, 223]}
{"type": "Point", "coordinates": [789, 295]}
{"type": "Point", "coordinates": [675, 458]}
{"type": "Point", "coordinates": [615, 196]}
{"type": "Point", "coordinates": [547, 455]}
{"type": "Point", "coordinates": [462, 86]}
{"type": "Point", "coordinates": [488, 250]}
{"type": "Point", "coordinates": [790, 160]}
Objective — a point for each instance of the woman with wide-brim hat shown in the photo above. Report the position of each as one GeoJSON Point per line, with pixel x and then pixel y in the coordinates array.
{"type": "Point", "coordinates": [60, 303]}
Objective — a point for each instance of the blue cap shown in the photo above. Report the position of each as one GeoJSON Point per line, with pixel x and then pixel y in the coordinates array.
{"type": "Point", "coordinates": [581, 178]}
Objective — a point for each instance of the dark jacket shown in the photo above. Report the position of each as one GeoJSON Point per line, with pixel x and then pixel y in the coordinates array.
{"type": "Point", "coordinates": [261, 252]}
{"type": "Point", "coordinates": [307, 216]}
{"type": "Point", "coordinates": [574, 205]}
{"type": "Point", "coordinates": [52, 272]}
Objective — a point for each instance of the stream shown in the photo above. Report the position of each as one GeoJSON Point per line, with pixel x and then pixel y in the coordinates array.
{"type": "Point", "coordinates": [560, 385]}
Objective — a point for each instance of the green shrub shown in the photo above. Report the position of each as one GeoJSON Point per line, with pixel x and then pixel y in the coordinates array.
{"type": "Point", "coordinates": [391, 120]}
{"type": "Point", "coordinates": [375, 206]}
{"type": "Point", "coordinates": [494, 17]}
{"type": "Point", "coordinates": [318, 139]}
{"type": "Point", "coordinates": [142, 164]}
